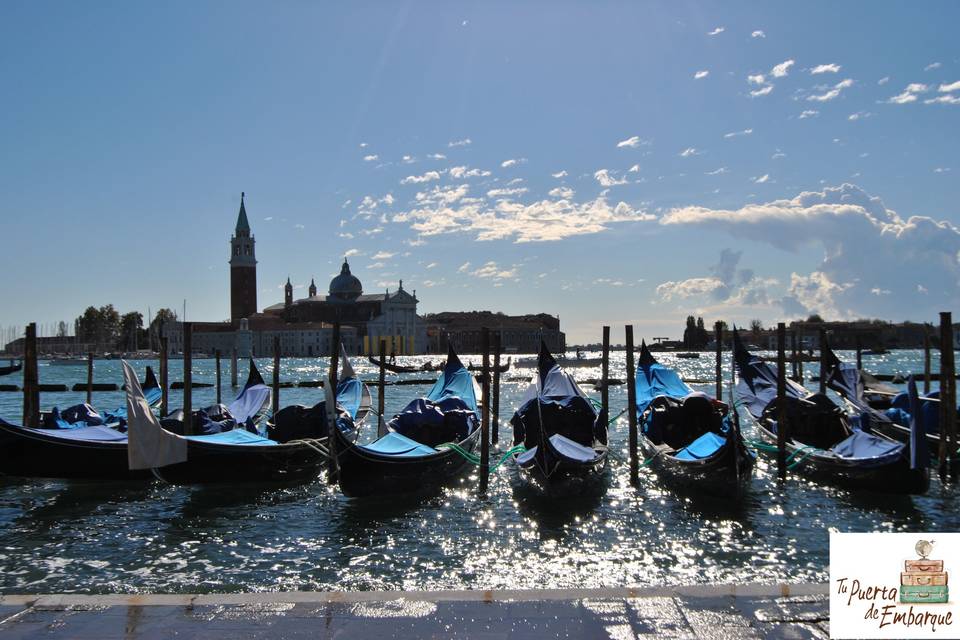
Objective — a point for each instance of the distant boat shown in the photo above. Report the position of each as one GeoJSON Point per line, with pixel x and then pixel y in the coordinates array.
{"type": "Point", "coordinates": [693, 441]}
{"type": "Point", "coordinates": [564, 435]}
{"type": "Point", "coordinates": [821, 444]}
{"type": "Point", "coordinates": [12, 368]}
{"type": "Point", "coordinates": [67, 361]}
{"type": "Point", "coordinates": [504, 367]}
{"type": "Point", "coordinates": [398, 368]}
{"type": "Point", "coordinates": [688, 355]}
{"type": "Point", "coordinates": [566, 363]}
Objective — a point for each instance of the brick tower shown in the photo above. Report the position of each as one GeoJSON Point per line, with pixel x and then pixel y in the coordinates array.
{"type": "Point", "coordinates": [243, 269]}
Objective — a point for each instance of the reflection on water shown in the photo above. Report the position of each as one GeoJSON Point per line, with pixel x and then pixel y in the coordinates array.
{"type": "Point", "coordinates": [104, 537]}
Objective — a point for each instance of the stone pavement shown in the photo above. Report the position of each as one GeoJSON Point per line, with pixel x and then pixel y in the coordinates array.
{"type": "Point", "coordinates": [726, 611]}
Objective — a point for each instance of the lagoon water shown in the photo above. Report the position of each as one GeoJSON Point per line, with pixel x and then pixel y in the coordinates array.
{"type": "Point", "coordinates": [99, 537]}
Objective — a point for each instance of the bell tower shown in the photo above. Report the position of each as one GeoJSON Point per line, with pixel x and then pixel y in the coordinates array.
{"type": "Point", "coordinates": [288, 294]}
{"type": "Point", "coordinates": [243, 268]}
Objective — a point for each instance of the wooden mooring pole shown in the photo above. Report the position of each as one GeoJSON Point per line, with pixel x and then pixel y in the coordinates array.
{"type": "Point", "coordinates": [233, 368]}
{"type": "Point", "coordinates": [948, 404]}
{"type": "Point", "coordinates": [859, 355]}
{"type": "Point", "coordinates": [485, 412]}
{"type": "Point", "coordinates": [605, 375]}
{"type": "Point", "coordinates": [219, 395]}
{"type": "Point", "coordinates": [632, 408]}
{"type": "Point", "coordinates": [799, 363]}
{"type": "Point", "coordinates": [276, 374]}
{"type": "Point", "coordinates": [926, 361]}
{"type": "Point", "coordinates": [782, 399]}
{"type": "Point", "coordinates": [164, 378]}
{"type": "Point", "coordinates": [795, 355]}
{"type": "Point", "coordinates": [188, 378]}
{"type": "Point", "coordinates": [823, 360]}
{"type": "Point", "coordinates": [333, 466]}
{"type": "Point", "coordinates": [31, 379]}
{"type": "Point", "coordinates": [381, 385]}
{"type": "Point", "coordinates": [718, 337]}
{"type": "Point", "coordinates": [90, 378]}
{"type": "Point", "coordinates": [495, 409]}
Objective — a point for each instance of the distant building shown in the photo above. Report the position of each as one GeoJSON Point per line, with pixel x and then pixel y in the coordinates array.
{"type": "Point", "coordinates": [518, 334]}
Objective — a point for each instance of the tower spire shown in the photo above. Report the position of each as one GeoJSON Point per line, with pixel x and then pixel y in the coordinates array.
{"type": "Point", "coordinates": [243, 225]}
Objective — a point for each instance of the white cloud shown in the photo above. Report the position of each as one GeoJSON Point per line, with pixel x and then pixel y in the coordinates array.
{"type": "Point", "coordinates": [701, 74]}
{"type": "Point", "coordinates": [717, 172]}
{"type": "Point", "coordinates": [606, 180]}
{"type": "Point", "coordinates": [460, 143]}
{"type": "Point", "coordinates": [427, 177]}
{"type": "Point", "coordinates": [932, 66]}
{"type": "Point", "coordinates": [352, 252]}
{"type": "Point", "coordinates": [859, 115]}
{"type": "Point", "coordinates": [884, 80]}
{"type": "Point", "coordinates": [634, 169]}
{"type": "Point", "coordinates": [463, 268]}
{"type": "Point", "coordinates": [756, 79]}
{"type": "Point", "coordinates": [363, 145]}
{"type": "Point", "coordinates": [541, 221]}
{"type": "Point", "coordinates": [407, 159]}
{"type": "Point", "coordinates": [717, 31]}
{"type": "Point", "coordinates": [431, 265]}
{"type": "Point", "coordinates": [944, 99]}
{"type": "Point", "coordinates": [459, 173]}
{"type": "Point", "coordinates": [825, 68]}
{"type": "Point", "coordinates": [561, 192]}
{"type": "Point", "coordinates": [760, 180]}
{"type": "Point", "coordinates": [782, 69]}
{"type": "Point", "coordinates": [506, 193]}
{"type": "Point", "coordinates": [444, 195]}
{"type": "Point", "coordinates": [436, 156]}
{"type": "Point", "coordinates": [382, 255]}
{"type": "Point", "coordinates": [512, 161]}
{"type": "Point", "coordinates": [492, 271]}
{"type": "Point", "coordinates": [946, 88]}
{"type": "Point", "coordinates": [689, 151]}
{"type": "Point", "coordinates": [633, 142]}
{"type": "Point", "coordinates": [370, 158]}
{"type": "Point", "coordinates": [809, 113]}
{"type": "Point", "coordinates": [728, 285]}
{"type": "Point", "coordinates": [734, 134]}
{"type": "Point", "coordinates": [909, 94]}
{"type": "Point", "coordinates": [852, 228]}
{"type": "Point", "coordinates": [832, 93]}
{"type": "Point", "coordinates": [779, 154]}
{"type": "Point", "coordinates": [761, 92]}
{"type": "Point", "coordinates": [758, 34]}
{"type": "Point", "coordinates": [942, 170]}
{"type": "Point", "coordinates": [559, 174]}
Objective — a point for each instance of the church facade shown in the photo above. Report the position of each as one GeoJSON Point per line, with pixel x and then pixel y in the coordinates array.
{"type": "Point", "coordinates": [305, 327]}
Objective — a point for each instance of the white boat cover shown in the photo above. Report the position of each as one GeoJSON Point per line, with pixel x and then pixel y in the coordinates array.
{"type": "Point", "coordinates": [149, 445]}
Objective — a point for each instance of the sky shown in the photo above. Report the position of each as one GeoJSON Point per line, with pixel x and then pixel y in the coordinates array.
{"type": "Point", "coordinates": [606, 162]}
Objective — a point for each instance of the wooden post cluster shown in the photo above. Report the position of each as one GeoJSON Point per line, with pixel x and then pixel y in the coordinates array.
{"type": "Point", "coordinates": [188, 378]}
{"type": "Point", "coordinates": [233, 368]}
{"type": "Point", "coordinates": [782, 399]}
{"type": "Point", "coordinates": [605, 375]}
{"type": "Point", "coordinates": [632, 408]}
{"type": "Point", "coordinates": [948, 402]}
{"type": "Point", "coordinates": [164, 378]}
{"type": "Point", "coordinates": [31, 379]}
{"type": "Point", "coordinates": [276, 374]}
{"type": "Point", "coordinates": [333, 467]}
{"type": "Point", "coordinates": [90, 378]}
{"type": "Point", "coordinates": [219, 394]}
{"type": "Point", "coordinates": [823, 360]}
{"type": "Point", "coordinates": [718, 337]}
{"type": "Point", "coordinates": [495, 410]}
{"type": "Point", "coordinates": [485, 412]}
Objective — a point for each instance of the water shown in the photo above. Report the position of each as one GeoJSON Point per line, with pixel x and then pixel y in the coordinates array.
{"type": "Point", "coordinates": [60, 536]}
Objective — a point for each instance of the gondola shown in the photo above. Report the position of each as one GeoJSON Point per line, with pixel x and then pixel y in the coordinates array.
{"type": "Point", "coordinates": [397, 368]}
{"type": "Point", "coordinates": [691, 440]}
{"type": "Point", "coordinates": [409, 457]}
{"type": "Point", "coordinates": [503, 368]}
{"type": "Point", "coordinates": [84, 415]}
{"type": "Point", "coordinates": [12, 368]}
{"type": "Point", "coordinates": [564, 435]}
{"type": "Point", "coordinates": [821, 444]}
{"type": "Point", "coordinates": [851, 384]}
{"type": "Point", "coordinates": [293, 451]}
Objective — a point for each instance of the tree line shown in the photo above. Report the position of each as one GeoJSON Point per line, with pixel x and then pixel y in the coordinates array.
{"type": "Point", "coordinates": [107, 329]}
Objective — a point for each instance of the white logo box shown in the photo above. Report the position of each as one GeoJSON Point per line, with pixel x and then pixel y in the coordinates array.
{"type": "Point", "coordinates": [865, 576]}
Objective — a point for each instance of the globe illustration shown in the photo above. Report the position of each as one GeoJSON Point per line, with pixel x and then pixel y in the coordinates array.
{"type": "Point", "coordinates": [924, 547]}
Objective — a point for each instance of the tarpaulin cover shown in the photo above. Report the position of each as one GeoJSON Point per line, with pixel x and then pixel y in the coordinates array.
{"type": "Point", "coordinates": [253, 399]}
{"type": "Point", "coordinates": [757, 386]}
{"type": "Point", "coordinates": [703, 447]}
{"type": "Point", "coordinates": [149, 445]}
{"type": "Point", "coordinates": [350, 395]}
{"type": "Point", "coordinates": [84, 434]}
{"type": "Point", "coordinates": [455, 381]}
{"type": "Point", "coordinates": [657, 380]}
{"type": "Point", "coordinates": [397, 444]}
{"type": "Point", "coordinates": [236, 436]}
{"type": "Point", "coordinates": [866, 445]}
{"type": "Point", "coordinates": [899, 411]}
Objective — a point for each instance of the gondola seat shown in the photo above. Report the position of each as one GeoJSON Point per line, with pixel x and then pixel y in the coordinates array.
{"type": "Point", "coordinates": [703, 447]}
{"type": "Point", "coordinates": [432, 423]}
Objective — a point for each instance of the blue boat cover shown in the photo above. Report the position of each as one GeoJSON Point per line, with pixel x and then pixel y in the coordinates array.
{"type": "Point", "coordinates": [657, 380]}
{"type": "Point", "coordinates": [572, 450]}
{"type": "Point", "coordinates": [399, 445]}
{"type": "Point", "coordinates": [703, 447]}
{"type": "Point", "coordinates": [757, 386]}
{"type": "Point", "coordinates": [234, 437]}
{"type": "Point", "coordinates": [97, 433]}
{"type": "Point", "coordinates": [454, 381]}
{"type": "Point", "coordinates": [350, 395]}
{"type": "Point", "coordinates": [866, 445]}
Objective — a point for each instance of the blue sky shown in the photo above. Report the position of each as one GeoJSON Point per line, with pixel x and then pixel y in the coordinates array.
{"type": "Point", "coordinates": [605, 162]}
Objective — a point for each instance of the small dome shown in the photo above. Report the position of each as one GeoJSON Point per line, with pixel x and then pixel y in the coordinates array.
{"type": "Point", "coordinates": [345, 286]}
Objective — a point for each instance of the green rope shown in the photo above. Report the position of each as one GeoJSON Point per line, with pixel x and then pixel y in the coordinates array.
{"type": "Point", "coordinates": [473, 458]}
{"type": "Point", "coordinates": [807, 450]}
{"type": "Point", "coordinates": [616, 417]}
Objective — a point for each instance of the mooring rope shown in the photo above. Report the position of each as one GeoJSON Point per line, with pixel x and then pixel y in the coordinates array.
{"type": "Point", "coordinates": [474, 459]}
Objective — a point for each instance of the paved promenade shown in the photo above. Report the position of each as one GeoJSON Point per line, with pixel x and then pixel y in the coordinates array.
{"type": "Point", "coordinates": [742, 611]}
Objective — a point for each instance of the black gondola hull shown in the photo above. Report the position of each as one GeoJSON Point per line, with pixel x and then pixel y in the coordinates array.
{"type": "Point", "coordinates": [29, 454]}
{"type": "Point", "coordinates": [365, 473]}
{"type": "Point", "coordinates": [568, 478]}
{"type": "Point", "coordinates": [726, 474]}
{"type": "Point", "coordinates": [210, 463]}
{"type": "Point", "coordinates": [892, 477]}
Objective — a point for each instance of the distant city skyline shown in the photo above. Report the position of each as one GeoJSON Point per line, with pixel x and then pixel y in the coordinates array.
{"type": "Point", "coordinates": [608, 163]}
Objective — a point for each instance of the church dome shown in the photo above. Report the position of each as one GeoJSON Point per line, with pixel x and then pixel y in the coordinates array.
{"type": "Point", "coordinates": [345, 286]}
